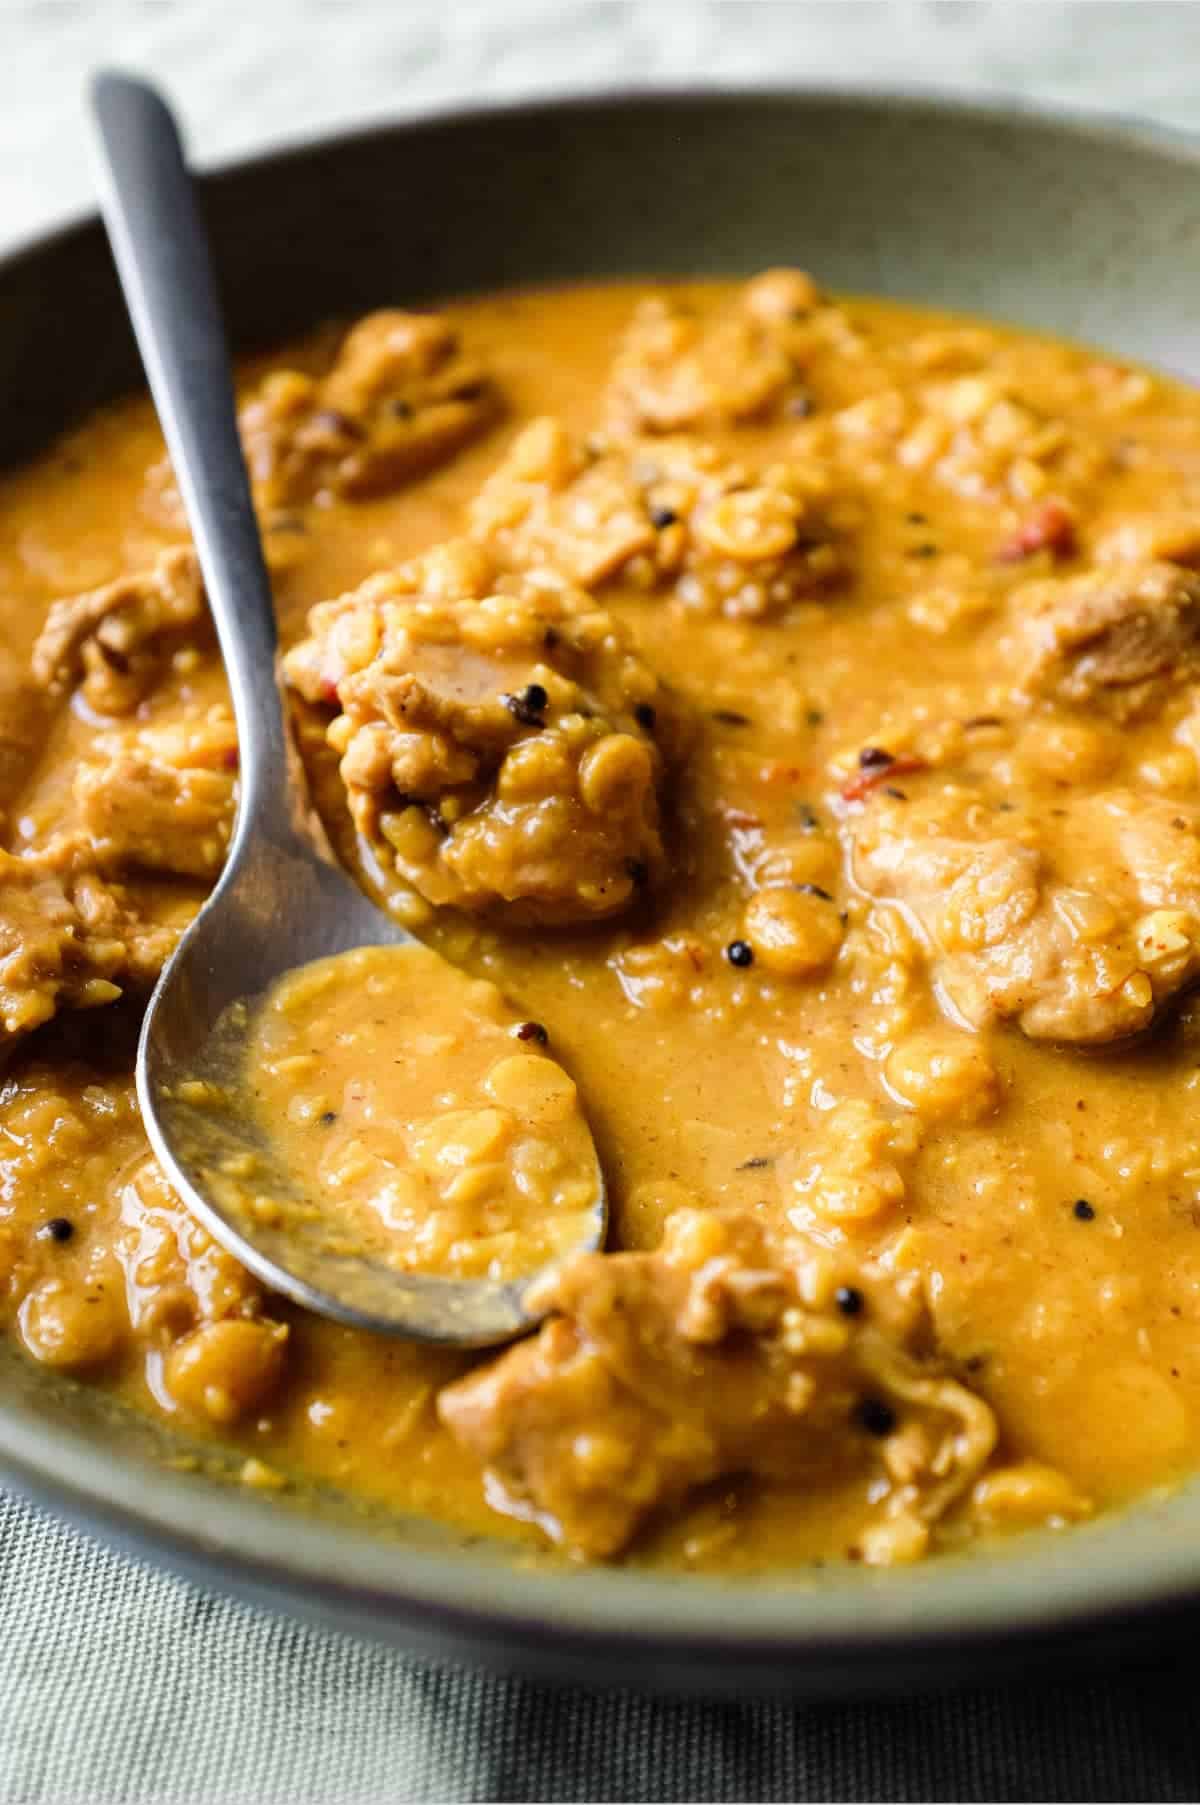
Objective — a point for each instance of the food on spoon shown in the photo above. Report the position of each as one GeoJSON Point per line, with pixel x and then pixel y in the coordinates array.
{"type": "Point", "coordinates": [422, 1123]}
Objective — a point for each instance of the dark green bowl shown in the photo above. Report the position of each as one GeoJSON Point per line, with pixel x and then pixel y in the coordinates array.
{"type": "Point", "coordinates": [1082, 229]}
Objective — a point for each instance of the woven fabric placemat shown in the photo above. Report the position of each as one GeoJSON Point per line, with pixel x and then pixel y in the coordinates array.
{"type": "Point", "coordinates": [122, 1685]}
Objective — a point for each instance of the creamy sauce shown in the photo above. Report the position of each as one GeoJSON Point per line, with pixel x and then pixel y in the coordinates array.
{"type": "Point", "coordinates": [767, 1027]}
{"type": "Point", "coordinates": [419, 1117]}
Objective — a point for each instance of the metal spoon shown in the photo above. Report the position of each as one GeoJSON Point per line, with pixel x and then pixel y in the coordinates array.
{"type": "Point", "coordinates": [280, 903]}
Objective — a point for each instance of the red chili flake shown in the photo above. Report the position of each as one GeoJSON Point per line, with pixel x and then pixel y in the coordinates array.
{"type": "Point", "coordinates": [872, 775]}
{"type": "Point", "coordinates": [329, 690]}
{"type": "Point", "coordinates": [1049, 527]}
{"type": "Point", "coordinates": [230, 758]}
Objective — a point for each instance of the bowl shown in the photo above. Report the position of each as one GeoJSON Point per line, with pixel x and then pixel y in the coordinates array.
{"type": "Point", "coordinates": [1060, 224]}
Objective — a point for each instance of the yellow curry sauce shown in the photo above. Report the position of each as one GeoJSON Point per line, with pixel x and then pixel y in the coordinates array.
{"type": "Point", "coordinates": [789, 704]}
{"type": "Point", "coordinates": [418, 1117]}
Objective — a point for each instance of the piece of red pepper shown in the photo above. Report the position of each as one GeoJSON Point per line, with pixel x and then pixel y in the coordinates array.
{"type": "Point", "coordinates": [1049, 527]}
{"type": "Point", "coordinates": [868, 779]}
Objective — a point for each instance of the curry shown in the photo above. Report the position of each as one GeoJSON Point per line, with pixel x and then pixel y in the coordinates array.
{"type": "Point", "coordinates": [419, 1121]}
{"type": "Point", "coordinates": [789, 704]}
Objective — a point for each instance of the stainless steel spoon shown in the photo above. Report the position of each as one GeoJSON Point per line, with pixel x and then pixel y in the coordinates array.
{"type": "Point", "coordinates": [281, 901]}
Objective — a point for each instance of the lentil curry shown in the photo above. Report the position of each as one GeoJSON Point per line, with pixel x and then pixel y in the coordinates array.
{"type": "Point", "coordinates": [407, 1126]}
{"type": "Point", "coordinates": [791, 705]}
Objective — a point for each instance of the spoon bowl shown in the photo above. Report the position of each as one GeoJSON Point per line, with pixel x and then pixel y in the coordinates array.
{"type": "Point", "coordinates": [281, 903]}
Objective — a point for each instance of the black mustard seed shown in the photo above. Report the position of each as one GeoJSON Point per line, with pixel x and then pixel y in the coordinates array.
{"type": "Point", "coordinates": [875, 1416]}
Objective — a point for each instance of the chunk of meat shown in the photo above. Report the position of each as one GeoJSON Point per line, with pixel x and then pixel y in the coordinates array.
{"type": "Point", "coordinates": [26, 716]}
{"type": "Point", "coordinates": [501, 752]}
{"type": "Point", "coordinates": [1113, 638]}
{"type": "Point", "coordinates": [69, 940]}
{"type": "Point", "coordinates": [719, 1354]}
{"type": "Point", "coordinates": [674, 370]}
{"type": "Point", "coordinates": [154, 1280]}
{"type": "Point", "coordinates": [344, 635]}
{"type": "Point", "coordinates": [669, 513]}
{"type": "Point", "coordinates": [402, 396]}
{"type": "Point", "coordinates": [1079, 923]}
{"type": "Point", "coordinates": [224, 1354]}
{"type": "Point", "coordinates": [115, 643]}
{"type": "Point", "coordinates": [176, 1275]}
{"type": "Point", "coordinates": [981, 437]}
{"type": "Point", "coordinates": [548, 502]}
{"type": "Point", "coordinates": [161, 798]}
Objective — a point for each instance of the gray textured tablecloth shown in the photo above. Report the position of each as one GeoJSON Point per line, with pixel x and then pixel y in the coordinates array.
{"type": "Point", "coordinates": [119, 1684]}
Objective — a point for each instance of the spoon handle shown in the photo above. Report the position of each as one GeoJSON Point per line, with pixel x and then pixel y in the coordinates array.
{"type": "Point", "coordinates": [161, 252]}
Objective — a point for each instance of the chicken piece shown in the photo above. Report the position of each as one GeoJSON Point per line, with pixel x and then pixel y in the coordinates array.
{"type": "Point", "coordinates": [176, 1275]}
{"type": "Point", "coordinates": [1079, 923]}
{"type": "Point", "coordinates": [161, 798]}
{"type": "Point", "coordinates": [985, 440]}
{"type": "Point", "coordinates": [672, 513]}
{"type": "Point", "coordinates": [223, 1354]}
{"type": "Point", "coordinates": [69, 940]}
{"type": "Point", "coordinates": [400, 398]}
{"type": "Point", "coordinates": [116, 643]}
{"type": "Point", "coordinates": [155, 1280]}
{"type": "Point", "coordinates": [1112, 638]}
{"type": "Point", "coordinates": [548, 502]}
{"type": "Point", "coordinates": [344, 634]}
{"type": "Point", "coordinates": [26, 716]}
{"type": "Point", "coordinates": [674, 370]}
{"type": "Point", "coordinates": [112, 1264]}
{"type": "Point", "coordinates": [503, 752]}
{"type": "Point", "coordinates": [719, 1354]}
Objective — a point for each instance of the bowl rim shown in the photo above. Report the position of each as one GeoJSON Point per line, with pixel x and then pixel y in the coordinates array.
{"type": "Point", "coordinates": [995, 106]}
{"type": "Point", "coordinates": [242, 1542]}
